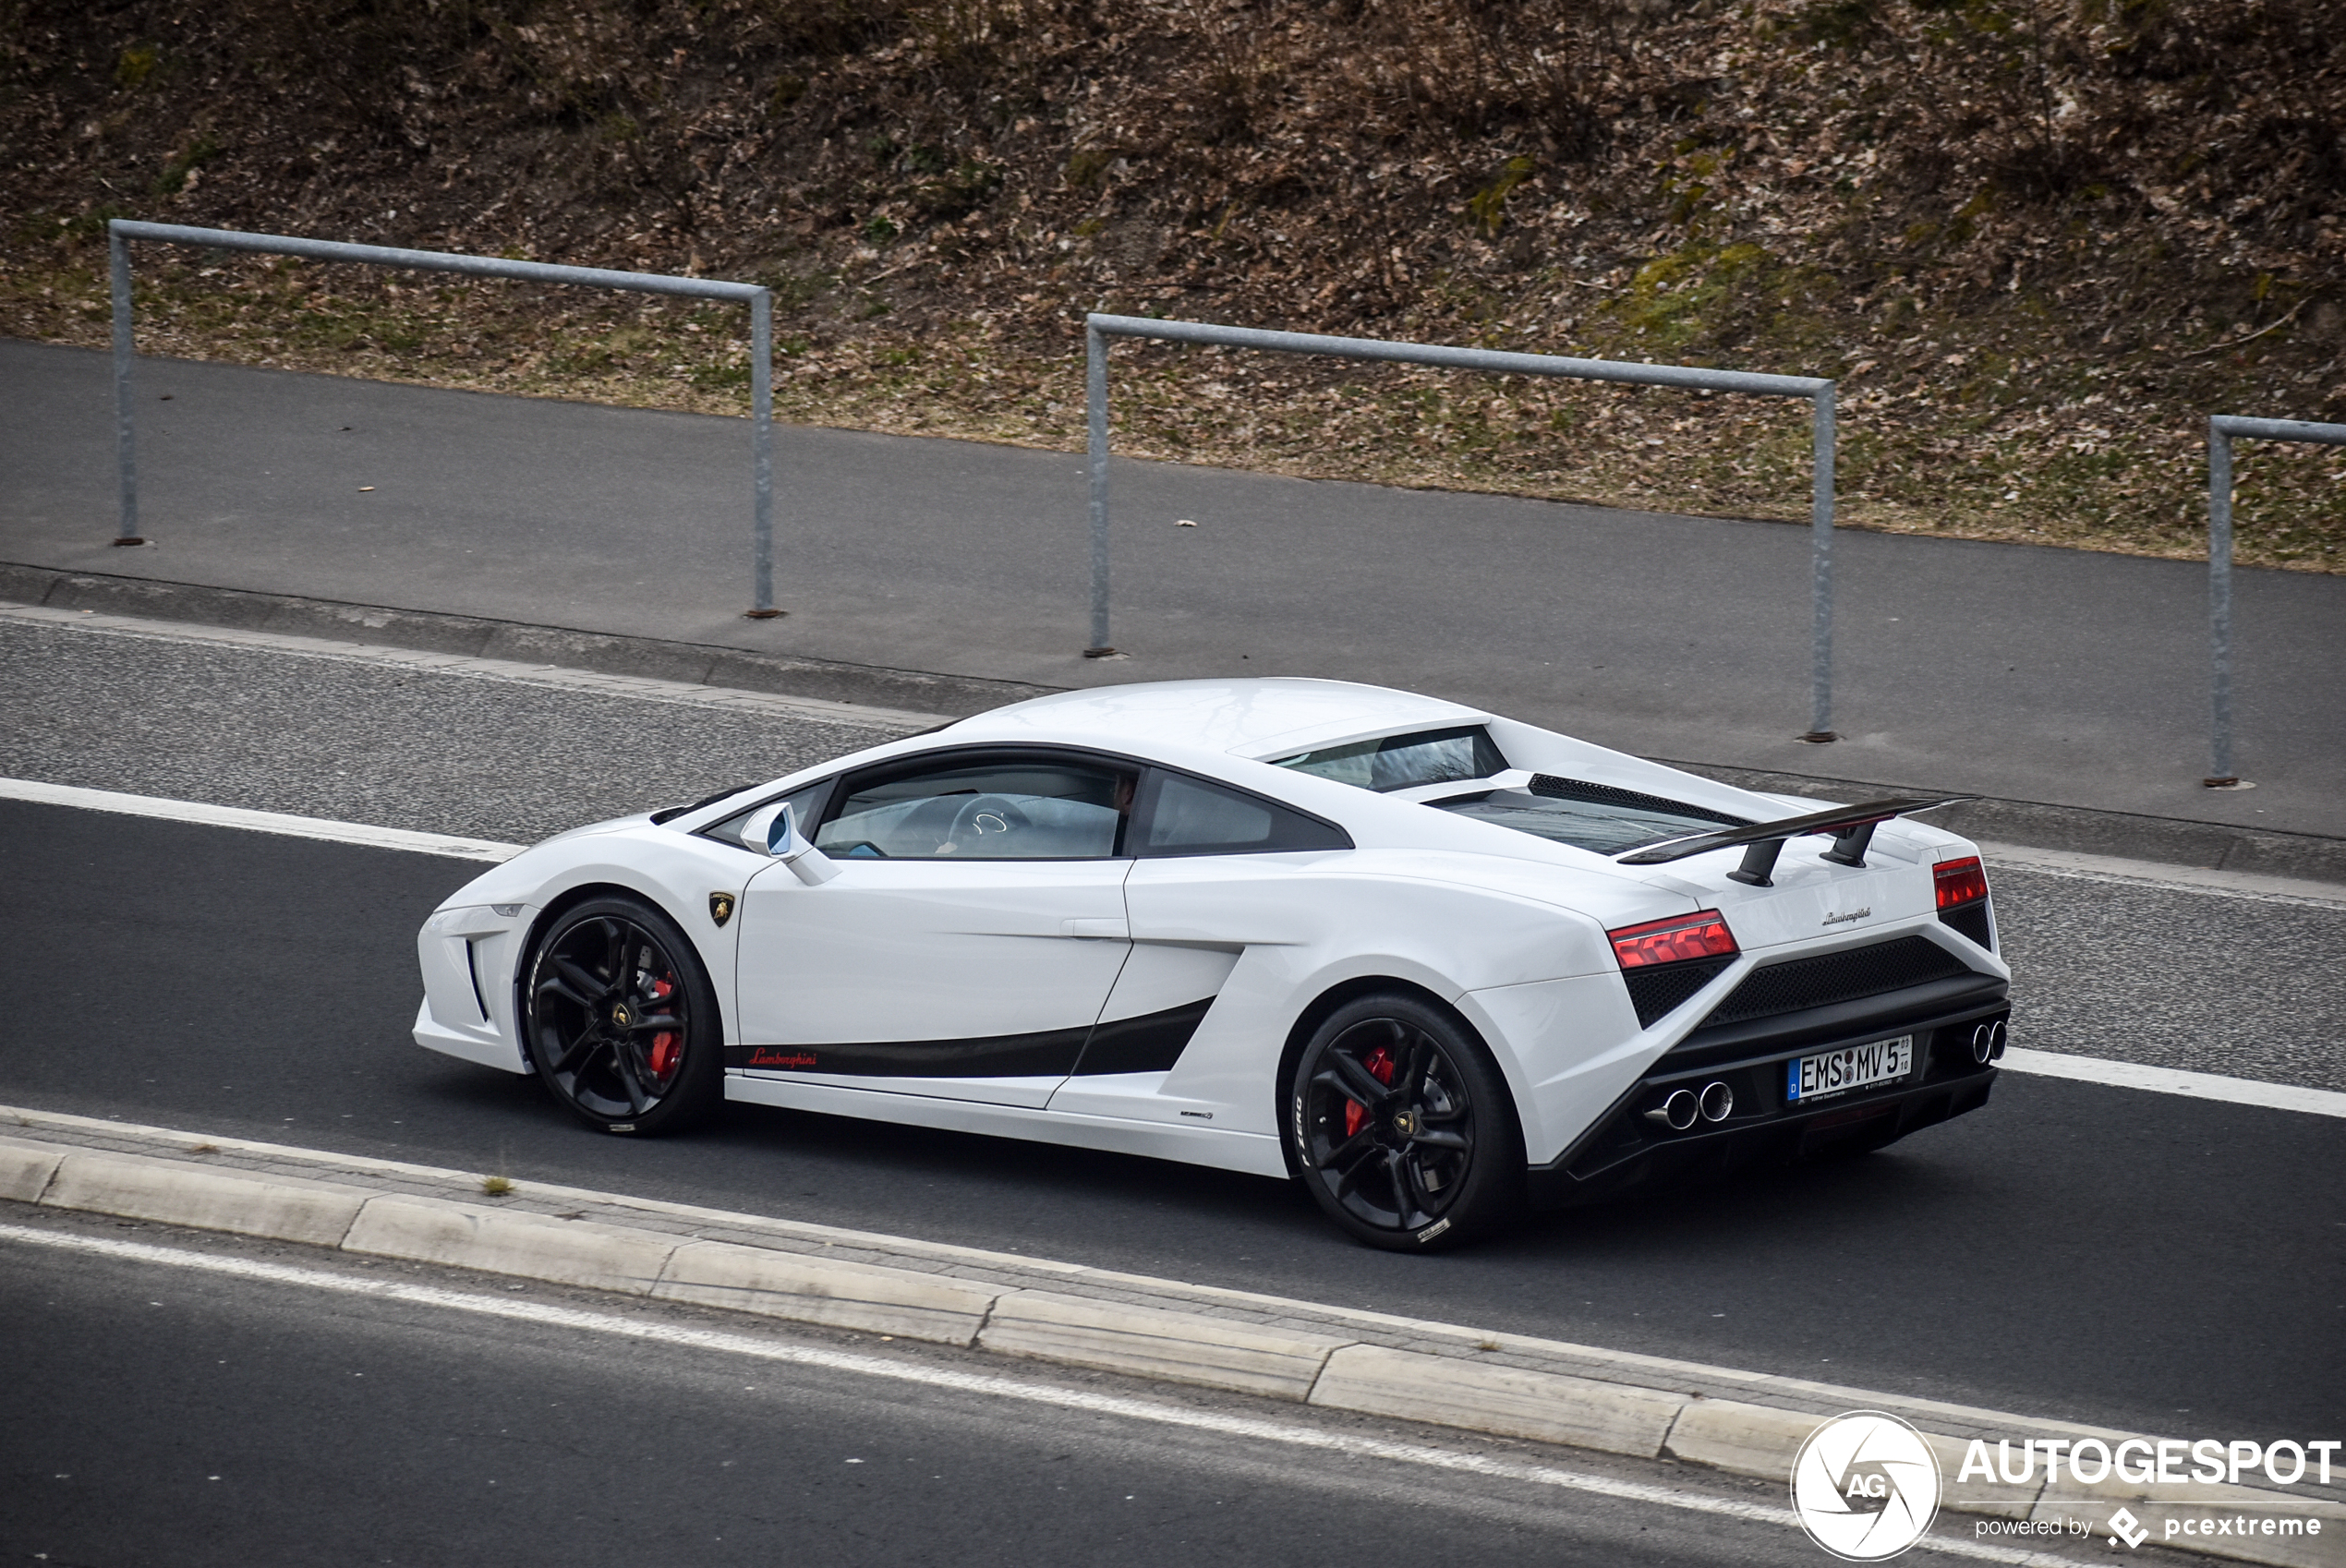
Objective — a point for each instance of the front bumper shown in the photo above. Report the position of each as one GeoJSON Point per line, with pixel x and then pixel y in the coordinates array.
{"type": "Point", "coordinates": [1624, 1150]}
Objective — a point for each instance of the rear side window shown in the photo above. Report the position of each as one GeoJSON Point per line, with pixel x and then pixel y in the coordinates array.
{"type": "Point", "coordinates": [1401, 761]}
{"type": "Point", "coordinates": [1181, 815]}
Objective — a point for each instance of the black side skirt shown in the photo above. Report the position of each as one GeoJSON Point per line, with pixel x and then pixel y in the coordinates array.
{"type": "Point", "coordinates": [1152, 1042]}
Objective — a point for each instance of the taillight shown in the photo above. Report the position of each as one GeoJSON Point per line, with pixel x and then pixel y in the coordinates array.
{"type": "Point", "coordinates": [1960, 882]}
{"type": "Point", "coordinates": [1702, 935]}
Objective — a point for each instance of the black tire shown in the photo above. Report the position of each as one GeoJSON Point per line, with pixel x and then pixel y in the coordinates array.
{"type": "Point", "coordinates": [1402, 1128]}
{"type": "Point", "coordinates": [620, 1020]}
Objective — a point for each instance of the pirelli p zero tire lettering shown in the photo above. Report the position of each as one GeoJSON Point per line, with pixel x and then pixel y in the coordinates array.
{"type": "Point", "coordinates": [620, 1020]}
{"type": "Point", "coordinates": [1402, 1127]}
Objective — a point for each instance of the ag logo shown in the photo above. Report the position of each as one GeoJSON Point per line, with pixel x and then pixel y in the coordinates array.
{"type": "Point", "coordinates": [1866, 1485]}
{"type": "Point", "coordinates": [720, 907]}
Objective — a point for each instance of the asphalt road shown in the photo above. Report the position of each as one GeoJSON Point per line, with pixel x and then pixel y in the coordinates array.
{"type": "Point", "coordinates": [2023, 672]}
{"type": "Point", "coordinates": [2085, 1252]}
{"type": "Point", "coordinates": [161, 1415]}
{"type": "Point", "coordinates": [227, 981]}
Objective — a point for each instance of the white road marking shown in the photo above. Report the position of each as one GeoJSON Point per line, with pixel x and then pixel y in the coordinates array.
{"type": "Point", "coordinates": [643, 687]}
{"type": "Point", "coordinates": [1256, 1429]}
{"type": "Point", "coordinates": [2175, 1081]}
{"type": "Point", "coordinates": [256, 821]}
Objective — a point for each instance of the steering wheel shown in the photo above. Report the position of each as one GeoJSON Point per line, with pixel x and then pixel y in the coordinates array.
{"type": "Point", "coordinates": [984, 817]}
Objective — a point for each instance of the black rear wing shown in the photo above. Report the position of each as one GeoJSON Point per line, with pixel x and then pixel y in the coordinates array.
{"type": "Point", "coordinates": [1851, 827]}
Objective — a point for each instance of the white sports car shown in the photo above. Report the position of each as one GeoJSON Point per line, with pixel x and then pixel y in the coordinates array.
{"type": "Point", "coordinates": [1435, 963]}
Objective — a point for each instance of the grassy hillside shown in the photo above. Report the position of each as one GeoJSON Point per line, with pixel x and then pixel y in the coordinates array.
{"type": "Point", "coordinates": [2038, 241]}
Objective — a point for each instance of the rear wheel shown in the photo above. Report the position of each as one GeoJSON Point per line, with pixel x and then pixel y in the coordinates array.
{"type": "Point", "coordinates": [621, 1019]}
{"type": "Point", "coordinates": [1402, 1125]}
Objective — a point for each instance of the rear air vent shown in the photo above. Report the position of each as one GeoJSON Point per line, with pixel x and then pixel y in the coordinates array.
{"type": "Point", "coordinates": [1661, 988]}
{"type": "Point", "coordinates": [1972, 921]}
{"type": "Point", "coordinates": [1627, 800]}
{"type": "Point", "coordinates": [1837, 977]}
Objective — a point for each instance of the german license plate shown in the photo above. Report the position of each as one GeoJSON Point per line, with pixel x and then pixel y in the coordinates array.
{"type": "Point", "coordinates": [1853, 1067]}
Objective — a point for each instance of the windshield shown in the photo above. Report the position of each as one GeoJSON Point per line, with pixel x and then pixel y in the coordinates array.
{"type": "Point", "coordinates": [1588, 816]}
{"type": "Point", "coordinates": [1401, 761]}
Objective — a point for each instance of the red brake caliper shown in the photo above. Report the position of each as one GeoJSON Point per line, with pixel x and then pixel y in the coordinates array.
{"type": "Point", "coordinates": [1380, 1063]}
{"type": "Point", "coordinates": [666, 1046]}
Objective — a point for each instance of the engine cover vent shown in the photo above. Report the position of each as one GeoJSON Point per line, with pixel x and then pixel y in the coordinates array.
{"type": "Point", "coordinates": [1557, 789]}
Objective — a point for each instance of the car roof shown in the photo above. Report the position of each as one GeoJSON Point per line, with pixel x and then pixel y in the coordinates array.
{"type": "Point", "coordinates": [1258, 718]}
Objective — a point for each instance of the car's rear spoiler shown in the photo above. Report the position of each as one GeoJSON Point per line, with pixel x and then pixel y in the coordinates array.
{"type": "Point", "coordinates": [1851, 827]}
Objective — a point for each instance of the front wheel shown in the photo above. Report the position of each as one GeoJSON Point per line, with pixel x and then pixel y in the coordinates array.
{"type": "Point", "coordinates": [1402, 1125]}
{"type": "Point", "coordinates": [621, 1019]}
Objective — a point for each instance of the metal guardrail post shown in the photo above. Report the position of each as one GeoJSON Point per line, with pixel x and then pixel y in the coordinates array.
{"type": "Point", "coordinates": [760, 300]}
{"type": "Point", "coordinates": [1095, 424]}
{"type": "Point", "coordinates": [126, 429]}
{"type": "Point", "coordinates": [1822, 437]}
{"type": "Point", "coordinates": [2220, 607]}
{"type": "Point", "coordinates": [1099, 328]}
{"type": "Point", "coordinates": [761, 442]}
{"type": "Point", "coordinates": [2221, 429]}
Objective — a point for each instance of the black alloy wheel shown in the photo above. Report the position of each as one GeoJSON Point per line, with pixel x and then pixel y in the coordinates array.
{"type": "Point", "coordinates": [621, 1020]}
{"type": "Point", "coordinates": [1402, 1127]}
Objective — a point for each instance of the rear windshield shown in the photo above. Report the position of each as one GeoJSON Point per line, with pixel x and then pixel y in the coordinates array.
{"type": "Point", "coordinates": [1588, 816]}
{"type": "Point", "coordinates": [1401, 761]}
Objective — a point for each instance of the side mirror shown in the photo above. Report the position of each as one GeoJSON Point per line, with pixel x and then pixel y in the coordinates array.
{"type": "Point", "coordinates": [786, 844]}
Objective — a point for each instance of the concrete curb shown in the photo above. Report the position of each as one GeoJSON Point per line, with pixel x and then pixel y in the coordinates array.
{"type": "Point", "coordinates": [280, 1208]}
{"type": "Point", "coordinates": [898, 1303]}
{"type": "Point", "coordinates": [473, 1235]}
{"type": "Point", "coordinates": [1541, 1406]}
{"type": "Point", "coordinates": [915, 693]}
{"type": "Point", "coordinates": [1293, 1359]}
{"type": "Point", "coordinates": [1151, 1343]}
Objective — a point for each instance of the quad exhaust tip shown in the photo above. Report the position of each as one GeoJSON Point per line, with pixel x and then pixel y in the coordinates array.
{"type": "Point", "coordinates": [1676, 1113]}
{"type": "Point", "coordinates": [1987, 1041]}
{"type": "Point", "coordinates": [1716, 1103]}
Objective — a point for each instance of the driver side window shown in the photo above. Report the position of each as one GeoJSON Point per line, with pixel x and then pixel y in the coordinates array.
{"type": "Point", "coordinates": [1028, 809]}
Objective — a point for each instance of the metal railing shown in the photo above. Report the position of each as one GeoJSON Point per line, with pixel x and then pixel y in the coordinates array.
{"type": "Point", "coordinates": [2221, 429]}
{"type": "Point", "coordinates": [1098, 329]}
{"type": "Point", "coordinates": [121, 231]}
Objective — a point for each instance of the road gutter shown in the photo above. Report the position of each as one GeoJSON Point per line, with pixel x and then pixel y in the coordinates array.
{"type": "Point", "coordinates": [1516, 1386]}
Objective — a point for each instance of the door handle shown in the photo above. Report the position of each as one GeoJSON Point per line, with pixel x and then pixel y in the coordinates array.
{"type": "Point", "coordinates": [1104, 930]}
